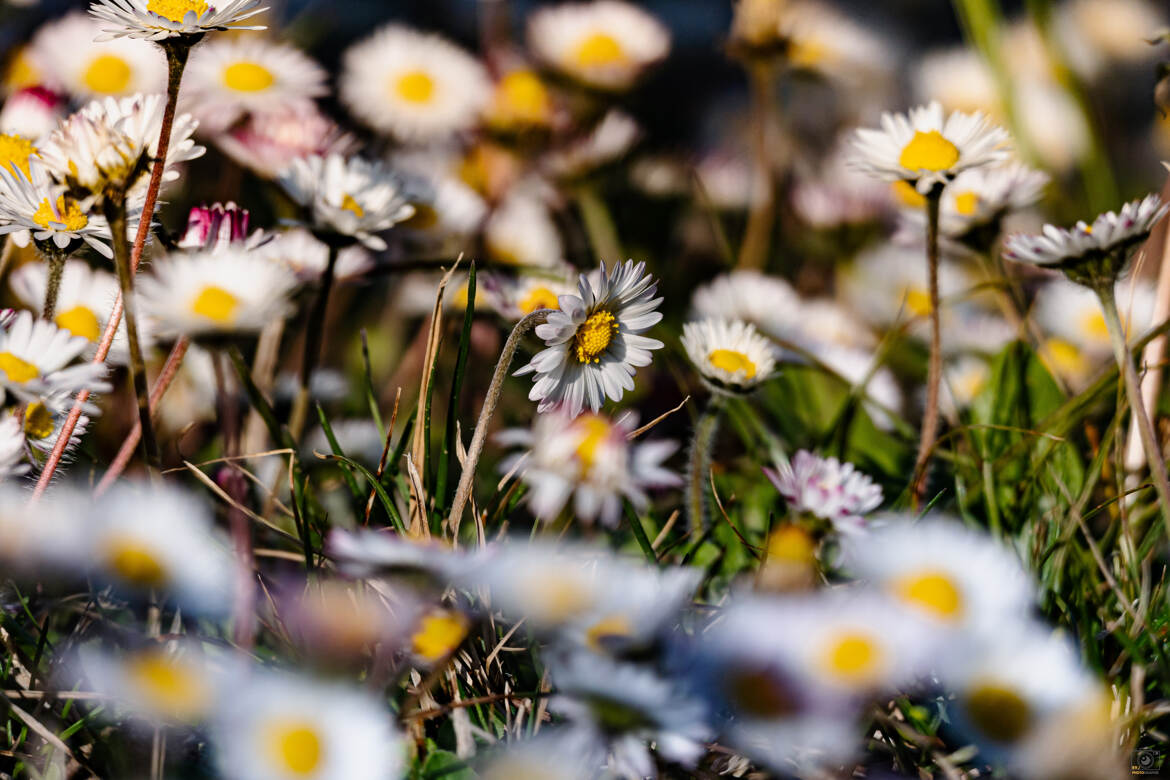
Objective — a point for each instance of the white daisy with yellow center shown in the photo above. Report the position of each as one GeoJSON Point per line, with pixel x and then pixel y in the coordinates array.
{"type": "Point", "coordinates": [227, 78]}
{"type": "Point", "coordinates": [520, 101]}
{"type": "Point", "coordinates": [515, 297]}
{"type": "Point", "coordinates": [414, 86]}
{"type": "Point", "coordinates": [604, 44]}
{"type": "Point", "coordinates": [888, 286]}
{"type": "Point", "coordinates": [446, 208]}
{"type": "Point", "coordinates": [208, 293]}
{"type": "Point", "coordinates": [926, 147]}
{"type": "Point", "coordinates": [767, 302]}
{"type": "Point", "coordinates": [171, 683]}
{"type": "Point", "coordinates": [307, 257]}
{"type": "Point", "coordinates": [826, 488]}
{"type": "Point", "coordinates": [157, 20]}
{"type": "Point", "coordinates": [285, 727]}
{"type": "Point", "coordinates": [980, 197]}
{"type": "Point", "coordinates": [521, 231]}
{"type": "Point", "coordinates": [829, 43]}
{"type": "Point", "coordinates": [33, 207]}
{"type": "Point", "coordinates": [1070, 315]}
{"type": "Point", "coordinates": [731, 354]}
{"type": "Point", "coordinates": [74, 63]}
{"type": "Point", "coordinates": [37, 362]}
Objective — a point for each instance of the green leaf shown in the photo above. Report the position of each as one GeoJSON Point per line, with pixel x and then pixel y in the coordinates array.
{"type": "Point", "coordinates": [447, 459]}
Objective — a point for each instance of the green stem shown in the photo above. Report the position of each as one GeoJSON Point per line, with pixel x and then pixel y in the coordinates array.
{"type": "Point", "coordinates": [699, 464]}
{"type": "Point", "coordinates": [313, 336]}
{"type": "Point", "coordinates": [1133, 392]}
{"type": "Point", "coordinates": [56, 260]}
{"type": "Point", "coordinates": [934, 370]}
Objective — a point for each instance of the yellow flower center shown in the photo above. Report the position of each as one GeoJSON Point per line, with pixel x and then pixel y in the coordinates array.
{"type": "Point", "coordinates": [216, 304]}
{"type": "Point", "coordinates": [539, 298]}
{"type": "Point", "coordinates": [594, 335]}
{"type": "Point", "coordinates": [1093, 326]}
{"type": "Point", "coordinates": [998, 711]}
{"type": "Point", "coordinates": [732, 362]}
{"type": "Point", "coordinates": [38, 421]}
{"type": "Point", "coordinates": [80, 321]}
{"type": "Point", "coordinates": [599, 50]}
{"type": "Point", "coordinates": [248, 77]}
{"type": "Point", "coordinates": [853, 657]}
{"type": "Point", "coordinates": [932, 591]}
{"type": "Point", "coordinates": [295, 746]}
{"type": "Point", "coordinates": [169, 686]}
{"type": "Point", "coordinates": [415, 86]}
{"type": "Point", "coordinates": [134, 562]}
{"type": "Point", "coordinates": [1065, 358]}
{"type": "Point", "coordinates": [108, 74]}
{"type": "Point", "coordinates": [67, 213]}
{"type": "Point", "coordinates": [176, 10]}
{"type": "Point", "coordinates": [558, 596]}
{"type": "Point", "coordinates": [17, 369]}
{"type": "Point", "coordinates": [15, 152]}
{"type": "Point", "coordinates": [791, 544]}
{"type": "Point", "coordinates": [352, 206]}
{"type": "Point", "coordinates": [608, 628]}
{"type": "Point", "coordinates": [595, 430]}
{"type": "Point", "coordinates": [917, 301]}
{"type": "Point", "coordinates": [22, 72]}
{"type": "Point", "coordinates": [908, 196]}
{"type": "Point", "coordinates": [521, 96]}
{"type": "Point", "coordinates": [929, 152]}
{"type": "Point", "coordinates": [966, 203]}
{"type": "Point", "coordinates": [439, 634]}
{"type": "Point", "coordinates": [808, 53]}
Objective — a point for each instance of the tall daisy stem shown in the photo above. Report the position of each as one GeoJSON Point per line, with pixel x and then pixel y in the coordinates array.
{"type": "Point", "coordinates": [56, 261]}
{"type": "Point", "coordinates": [467, 477]}
{"type": "Point", "coordinates": [313, 336]}
{"type": "Point", "coordinates": [1133, 392]}
{"type": "Point", "coordinates": [699, 464]}
{"type": "Point", "coordinates": [753, 252]}
{"type": "Point", "coordinates": [934, 368]}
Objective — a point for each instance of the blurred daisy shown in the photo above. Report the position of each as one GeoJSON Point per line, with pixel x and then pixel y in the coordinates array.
{"type": "Point", "coordinates": [590, 459]}
{"type": "Point", "coordinates": [963, 381]}
{"type": "Point", "coordinates": [414, 86]}
{"type": "Point", "coordinates": [31, 206]}
{"type": "Point", "coordinates": [767, 302]}
{"type": "Point", "coordinates": [42, 422]}
{"type": "Point", "coordinates": [944, 572]}
{"type": "Point", "coordinates": [208, 293]}
{"type": "Point", "coordinates": [858, 367]}
{"type": "Point", "coordinates": [888, 285]}
{"type": "Point", "coordinates": [822, 40]}
{"type": "Point", "coordinates": [1115, 29]}
{"type": "Point", "coordinates": [437, 634]}
{"type": "Point", "coordinates": [157, 20]}
{"type": "Point", "coordinates": [521, 231]}
{"type": "Point", "coordinates": [980, 198]}
{"type": "Point", "coordinates": [268, 143]}
{"type": "Point", "coordinates": [109, 143]}
{"type": "Point", "coordinates": [959, 79]}
{"type": "Point", "coordinates": [1071, 314]}
{"type": "Point", "coordinates": [12, 462]}
{"type": "Point", "coordinates": [143, 539]}
{"type": "Point", "coordinates": [217, 227]}
{"type": "Point", "coordinates": [351, 198]}
{"type": "Point", "coordinates": [514, 297]}
{"type": "Point", "coordinates": [729, 354]}
{"type": "Point", "coordinates": [554, 754]}
{"type": "Point", "coordinates": [444, 205]}
{"type": "Point", "coordinates": [364, 552]}
{"type": "Point", "coordinates": [304, 255]}
{"type": "Point", "coordinates": [605, 44]}
{"type": "Point", "coordinates": [605, 143]}
{"type": "Point", "coordinates": [594, 341]}
{"type": "Point", "coordinates": [35, 358]}
{"type": "Point", "coordinates": [31, 113]}
{"type": "Point", "coordinates": [520, 101]}
{"type": "Point", "coordinates": [928, 148]}
{"type": "Point", "coordinates": [72, 62]}
{"type": "Point", "coordinates": [229, 77]}
{"type": "Point", "coordinates": [340, 620]}
{"type": "Point", "coordinates": [282, 726]}
{"type": "Point", "coordinates": [828, 489]}
{"type": "Point", "coordinates": [839, 195]}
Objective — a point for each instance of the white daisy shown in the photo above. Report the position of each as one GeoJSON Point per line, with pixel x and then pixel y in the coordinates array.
{"type": "Point", "coordinates": [959, 79]}
{"type": "Point", "coordinates": [12, 461]}
{"type": "Point", "coordinates": [361, 553]}
{"type": "Point", "coordinates": [207, 293]}
{"type": "Point", "coordinates": [521, 231]}
{"type": "Point", "coordinates": [839, 195]}
{"type": "Point", "coordinates": [42, 422]}
{"type": "Point", "coordinates": [229, 77]}
{"type": "Point", "coordinates": [414, 86]}
{"type": "Point", "coordinates": [1053, 122]}
{"type": "Point", "coordinates": [33, 205]}
{"type": "Point", "coordinates": [980, 197]}
{"type": "Point", "coordinates": [157, 20]}
{"type": "Point", "coordinates": [520, 102]}
{"type": "Point", "coordinates": [437, 633]}
{"type": "Point", "coordinates": [514, 297]}
{"type": "Point", "coordinates": [589, 459]}
{"type": "Point", "coordinates": [43, 540]}
{"type": "Point", "coordinates": [1072, 314]}
{"type": "Point", "coordinates": [444, 205]}
{"type": "Point", "coordinates": [926, 147]}
{"type": "Point", "coordinates": [605, 44]}
{"type": "Point", "coordinates": [280, 726]}
{"type": "Point", "coordinates": [730, 354]}
{"type": "Point", "coordinates": [554, 754]}
{"type": "Point", "coordinates": [112, 141]}
{"type": "Point", "coordinates": [36, 358]}
{"type": "Point", "coordinates": [963, 381]}
{"type": "Point", "coordinates": [767, 302]}
{"type": "Point", "coordinates": [822, 40]}
{"type": "Point", "coordinates": [827, 488]}
{"type": "Point", "coordinates": [1114, 29]}
{"type": "Point", "coordinates": [73, 62]}
{"type": "Point", "coordinates": [268, 143]}
{"type": "Point", "coordinates": [304, 255]}
{"type": "Point", "coordinates": [30, 112]}
{"type": "Point", "coordinates": [887, 285]}
{"type": "Point", "coordinates": [351, 197]}
{"type": "Point", "coordinates": [956, 577]}
{"type": "Point", "coordinates": [594, 341]}
{"type": "Point", "coordinates": [604, 143]}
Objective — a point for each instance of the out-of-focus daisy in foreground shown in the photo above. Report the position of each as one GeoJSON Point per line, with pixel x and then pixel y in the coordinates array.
{"type": "Point", "coordinates": [594, 341]}
{"type": "Point", "coordinates": [414, 86]}
{"type": "Point", "coordinates": [1071, 316]}
{"type": "Point", "coordinates": [35, 358]}
{"type": "Point", "coordinates": [348, 200]}
{"type": "Point", "coordinates": [521, 231]}
{"type": "Point", "coordinates": [72, 62]}
{"type": "Point", "coordinates": [605, 44]}
{"type": "Point", "coordinates": [730, 355]}
{"type": "Point", "coordinates": [515, 297]}
{"type": "Point", "coordinates": [828, 489]}
{"type": "Point", "coordinates": [555, 754]}
{"type": "Point", "coordinates": [158, 20]}
{"type": "Point", "coordinates": [31, 113]}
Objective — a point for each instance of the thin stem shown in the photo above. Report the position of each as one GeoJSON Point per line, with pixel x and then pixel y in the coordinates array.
{"type": "Point", "coordinates": [314, 328]}
{"type": "Point", "coordinates": [56, 260]}
{"type": "Point", "coordinates": [934, 369]}
{"type": "Point", "coordinates": [754, 250]}
{"type": "Point", "coordinates": [1133, 392]}
{"type": "Point", "coordinates": [463, 491]}
{"type": "Point", "coordinates": [243, 621]}
{"type": "Point", "coordinates": [699, 465]}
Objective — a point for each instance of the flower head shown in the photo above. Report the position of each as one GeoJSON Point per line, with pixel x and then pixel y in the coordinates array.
{"type": "Point", "coordinates": [215, 227]}
{"type": "Point", "coordinates": [30, 112]}
{"type": "Point", "coordinates": [158, 20]}
{"type": "Point", "coordinates": [827, 488]}
{"type": "Point", "coordinates": [36, 361]}
{"type": "Point", "coordinates": [268, 143]}
{"type": "Point", "coordinates": [731, 355]}
{"type": "Point", "coordinates": [31, 205]}
{"type": "Point", "coordinates": [74, 63]}
{"type": "Point", "coordinates": [12, 460]}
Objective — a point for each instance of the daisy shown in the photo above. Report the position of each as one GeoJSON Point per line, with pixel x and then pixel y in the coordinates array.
{"type": "Point", "coordinates": [959, 79]}
{"type": "Point", "coordinates": [158, 20]}
{"type": "Point", "coordinates": [299, 251]}
{"type": "Point", "coordinates": [927, 148]}
{"type": "Point", "coordinates": [1118, 30]}
{"type": "Point", "coordinates": [521, 231]}
{"type": "Point", "coordinates": [839, 195]}
{"type": "Point", "coordinates": [437, 634]}
{"type": "Point", "coordinates": [35, 358]}
{"type": "Point", "coordinates": [30, 113]}
{"type": "Point", "coordinates": [444, 205]}
{"type": "Point", "coordinates": [520, 101]}
{"type": "Point", "coordinates": [361, 553]}
{"type": "Point", "coordinates": [826, 42]}
{"type": "Point", "coordinates": [268, 143]}
{"type": "Point", "coordinates": [338, 620]}
{"type": "Point", "coordinates": [74, 63]}
{"type": "Point", "coordinates": [417, 87]}
{"type": "Point", "coordinates": [828, 489]}
{"type": "Point", "coordinates": [350, 198]}
{"type": "Point", "coordinates": [887, 286]}
{"type": "Point", "coordinates": [594, 341]}
{"type": "Point", "coordinates": [604, 44]}
{"type": "Point", "coordinates": [982, 197]}
{"type": "Point", "coordinates": [856, 366]}
{"type": "Point", "coordinates": [42, 421]}
{"type": "Point", "coordinates": [767, 302]}
{"type": "Point", "coordinates": [208, 293]}
{"type": "Point", "coordinates": [944, 572]}
{"type": "Point", "coordinates": [590, 459]}
{"type": "Point", "coordinates": [605, 143]}
{"type": "Point", "coordinates": [12, 462]}
{"type": "Point", "coordinates": [227, 78]}
{"type": "Point", "coordinates": [1071, 314]}
{"type": "Point", "coordinates": [218, 226]}
{"type": "Point", "coordinates": [32, 206]}
{"type": "Point", "coordinates": [964, 380]}
{"type": "Point", "coordinates": [110, 143]}
{"type": "Point", "coordinates": [554, 754]}
{"type": "Point", "coordinates": [518, 296]}
{"type": "Point", "coordinates": [278, 725]}
{"type": "Point", "coordinates": [730, 354]}
{"type": "Point", "coordinates": [44, 540]}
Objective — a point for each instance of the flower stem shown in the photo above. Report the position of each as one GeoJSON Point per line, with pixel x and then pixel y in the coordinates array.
{"type": "Point", "coordinates": [56, 260]}
{"type": "Point", "coordinates": [934, 369]}
{"type": "Point", "coordinates": [699, 465]}
{"type": "Point", "coordinates": [753, 252]}
{"type": "Point", "coordinates": [1129, 376]}
{"type": "Point", "coordinates": [463, 491]}
{"type": "Point", "coordinates": [313, 333]}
